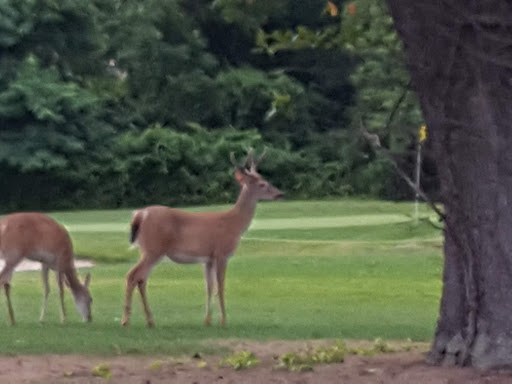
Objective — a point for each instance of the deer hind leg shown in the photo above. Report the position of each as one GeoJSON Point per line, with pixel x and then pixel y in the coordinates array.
{"type": "Point", "coordinates": [46, 290]}
{"type": "Point", "coordinates": [7, 287]}
{"type": "Point", "coordinates": [221, 274]}
{"type": "Point", "coordinates": [145, 304]}
{"type": "Point", "coordinates": [137, 276]}
{"type": "Point", "coordinates": [5, 278]}
{"type": "Point", "coordinates": [209, 271]}
{"type": "Point", "coordinates": [60, 282]}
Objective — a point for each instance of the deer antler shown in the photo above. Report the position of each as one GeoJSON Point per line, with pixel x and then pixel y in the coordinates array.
{"type": "Point", "coordinates": [239, 166]}
{"type": "Point", "coordinates": [232, 158]}
{"type": "Point", "coordinates": [250, 161]}
{"type": "Point", "coordinates": [255, 163]}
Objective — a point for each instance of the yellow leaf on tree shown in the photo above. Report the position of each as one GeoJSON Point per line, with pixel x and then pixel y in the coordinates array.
{"type": "Point", "coordinates": [332, 9]}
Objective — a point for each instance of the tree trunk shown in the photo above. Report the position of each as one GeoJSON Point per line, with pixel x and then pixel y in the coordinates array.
{"type": "Point", "coordinates": [459, 54]}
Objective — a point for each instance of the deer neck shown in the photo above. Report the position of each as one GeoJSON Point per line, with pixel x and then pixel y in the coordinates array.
{"type": "Point", "coordinates": [244, 208]}
{"type": "Point", "coordinates": [74, 283]}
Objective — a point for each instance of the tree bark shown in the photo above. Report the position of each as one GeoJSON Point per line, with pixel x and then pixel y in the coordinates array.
{"type": "Point", "coordinates": [459, 54]}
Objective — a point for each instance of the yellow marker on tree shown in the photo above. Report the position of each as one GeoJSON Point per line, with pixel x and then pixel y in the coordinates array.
{"type": "Point", "coordinates": [422, 136]}
{"type": "Point", "coordinates": [422, 133]}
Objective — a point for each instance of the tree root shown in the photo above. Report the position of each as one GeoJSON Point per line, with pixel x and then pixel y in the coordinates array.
{"type": "Point", "coordinates": [448, 351]}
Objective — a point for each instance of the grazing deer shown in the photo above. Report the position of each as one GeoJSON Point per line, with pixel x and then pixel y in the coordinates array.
{"type": "Point", "coordinates": [184, 237]}
{"type": "Point", "coordinates": [37, 237]}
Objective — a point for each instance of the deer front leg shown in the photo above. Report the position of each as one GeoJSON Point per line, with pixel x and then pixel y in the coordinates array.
{"type": "Point", "coordinates": [209, 269]}
{"type": "Point", "coordinates": [60, 283]}
{"type": "Point", "coordinates": [221, 274]}
{"type": "Point", "coordinates": [46, 291]}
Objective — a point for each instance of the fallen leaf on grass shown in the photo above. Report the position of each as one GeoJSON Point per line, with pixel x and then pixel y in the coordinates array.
{"type": "Point", "coordinates": [102, 370]}
{"type": "Point", "coordinates": [156, 365]}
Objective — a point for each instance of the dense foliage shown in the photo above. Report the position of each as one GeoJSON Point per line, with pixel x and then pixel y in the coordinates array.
{"type": "Point", "coordinates": [113, 103]}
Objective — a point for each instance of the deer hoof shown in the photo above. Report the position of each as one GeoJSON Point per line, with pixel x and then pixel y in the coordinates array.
{"type": "Point", "coordinates": [125, 323]}
{"type": "Point", "coordinates": [207, 322]}
{"type": "Point", "coordinates": [151, 323]}
{"type": "Point", "coordinates": [222, 322]}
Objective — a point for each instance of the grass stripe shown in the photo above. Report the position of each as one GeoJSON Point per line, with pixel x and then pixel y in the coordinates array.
{"type": "Point", "coordinates": [328, 222]}
{"type": "Point", "coordinates": [294, 223]}
{"type": "Point", "coordinates": [429, 241]}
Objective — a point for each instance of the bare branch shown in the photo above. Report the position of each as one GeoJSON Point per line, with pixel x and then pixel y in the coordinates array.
{"type": "Point", "coordinates": [397, 105]}
{"type": "Point", "coordinates": [372, 138]}
{"type": "Point", "coordinates": [375, 143]}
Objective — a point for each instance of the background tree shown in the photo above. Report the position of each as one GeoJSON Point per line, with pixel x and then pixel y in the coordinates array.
{"type": "Point", "coordinates": [52, 125]}
{"type": "Point", "coordinates": [80, 81]}
{"type": "Point", "coordinates": [460, 59]}
{"type": "Point", "coordinates": [364, 32]}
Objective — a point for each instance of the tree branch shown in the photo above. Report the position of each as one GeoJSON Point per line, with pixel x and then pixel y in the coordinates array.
{"type": "Point", "coordinates": [397, 105]}
{"type": "Point", "coordinates": [374, 141]}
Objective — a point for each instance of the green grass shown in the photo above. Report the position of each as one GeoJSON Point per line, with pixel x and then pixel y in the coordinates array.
{"type": "Point", "coordinates": [342, 280]}
{"type": "Point", "coordinates": [371, 233]}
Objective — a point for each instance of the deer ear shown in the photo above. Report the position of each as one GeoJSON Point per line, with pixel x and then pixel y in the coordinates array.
{"type": "Point", "coordinates": [87, 280]}
{"type": "Point", "coordinates": [239, 176]}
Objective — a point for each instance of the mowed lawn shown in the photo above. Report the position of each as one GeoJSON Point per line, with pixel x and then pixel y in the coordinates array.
{"type": "Point", "coordinates": [331, 269]}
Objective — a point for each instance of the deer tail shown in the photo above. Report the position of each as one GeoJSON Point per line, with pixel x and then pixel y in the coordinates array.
{"type": "Point", "coordinates": [138, 217]}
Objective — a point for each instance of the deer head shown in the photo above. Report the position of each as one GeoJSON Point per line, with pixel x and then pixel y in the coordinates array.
{"type": "Point", "coordinates": [83, 299]}
{"type": "Point", "coordinates": [248, 177]}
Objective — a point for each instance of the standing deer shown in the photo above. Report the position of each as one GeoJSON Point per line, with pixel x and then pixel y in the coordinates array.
{"type": "Point", "coordinates": [37, 237]}
{"type": "Point", "coordinates": [207, 237]}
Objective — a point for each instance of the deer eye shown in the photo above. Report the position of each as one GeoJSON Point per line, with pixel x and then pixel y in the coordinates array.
{"type": "Point", "coordinates": [261, 185]}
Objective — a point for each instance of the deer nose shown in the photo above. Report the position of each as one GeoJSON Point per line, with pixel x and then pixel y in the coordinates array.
{"type": "Point", "coordinates": [279, 195]}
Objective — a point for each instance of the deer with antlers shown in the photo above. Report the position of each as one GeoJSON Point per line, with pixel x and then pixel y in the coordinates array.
{"type": "Point", "coordinates": [185, 237]}
{"type": "Point", "coordinates": [37, 237]}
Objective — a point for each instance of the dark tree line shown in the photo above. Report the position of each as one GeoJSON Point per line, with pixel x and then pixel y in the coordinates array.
{"type": "Point", "coordinates": [110, 103]}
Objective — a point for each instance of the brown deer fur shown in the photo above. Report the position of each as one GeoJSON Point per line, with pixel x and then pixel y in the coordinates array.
{"type": "Point", "coordinates": [37, 237]}
{"type": "Point", "coordinates": [208, 237]}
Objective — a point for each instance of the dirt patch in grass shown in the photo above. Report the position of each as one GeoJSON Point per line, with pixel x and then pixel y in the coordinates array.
{"type": "Point", "coordinates": [404, 367]}
{"type": "Point", "coordinates": [28, 265]}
